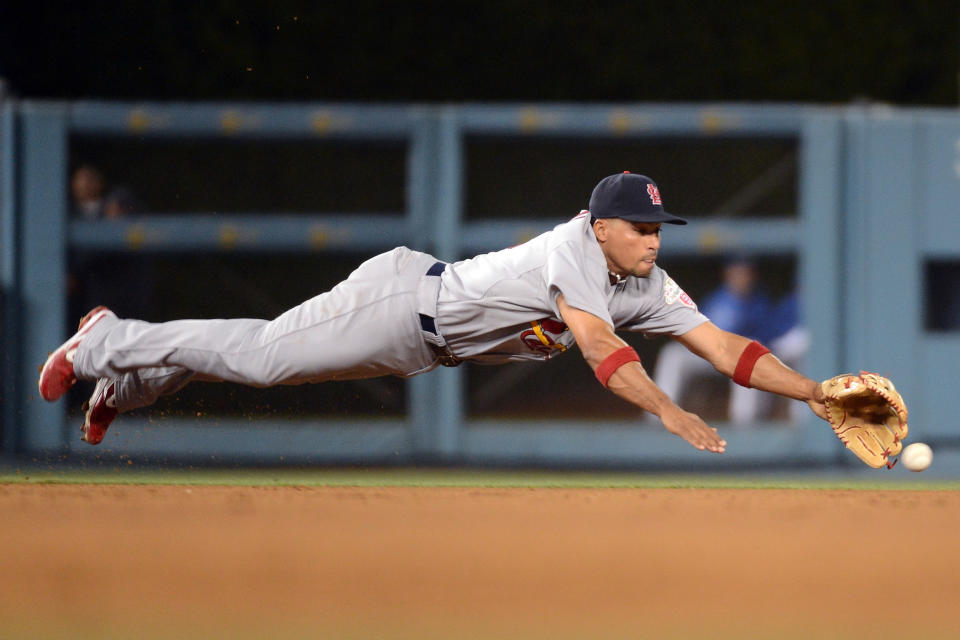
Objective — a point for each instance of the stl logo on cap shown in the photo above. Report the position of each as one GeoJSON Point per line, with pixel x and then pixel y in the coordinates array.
{"type": "Point", "coordinates": [654, 194]}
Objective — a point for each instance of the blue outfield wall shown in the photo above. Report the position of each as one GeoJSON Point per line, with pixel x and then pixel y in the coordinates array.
{"type": "Point", "coordinates": [878, 191]}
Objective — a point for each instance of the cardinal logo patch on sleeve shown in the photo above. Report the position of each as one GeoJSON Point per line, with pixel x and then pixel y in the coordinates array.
{"type": "Point", "coordinates": [673, 293]}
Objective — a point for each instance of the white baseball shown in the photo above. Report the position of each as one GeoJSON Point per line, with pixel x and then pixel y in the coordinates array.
{"type": "Point", "coordinates": [917, 456]}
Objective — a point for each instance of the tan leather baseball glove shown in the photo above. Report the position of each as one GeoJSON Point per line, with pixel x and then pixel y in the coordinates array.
{"type": "Point", "coordinates": [868, 415]}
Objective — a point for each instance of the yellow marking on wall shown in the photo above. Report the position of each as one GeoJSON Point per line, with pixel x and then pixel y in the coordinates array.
{"type": "Point", "coordinates": [530, 119]}
{"type": "Point", "coordinates": [619, 122]}
{"type": "Point", "coordinates": [319, 237]}
{"type": "Point", "coordinates": [322, 123]}
{"type": "Point", "coordinates": [712, 240]}
{"type": "Point", "coordinates": [713, 121]}
{"type": "Point", "coordinates": [136, 236]}
{"type": "Point", "coordinates": [229, 235]}
{"type": "Point", "coordinates": [138, 121]}
{"type": "Point", "coordinates": [231, 121]}
{"type": "Point", "coordinates": [623, 122]}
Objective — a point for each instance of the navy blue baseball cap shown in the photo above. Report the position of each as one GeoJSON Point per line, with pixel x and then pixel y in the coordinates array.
{"type": "Point", "coordinates": [630, 196]}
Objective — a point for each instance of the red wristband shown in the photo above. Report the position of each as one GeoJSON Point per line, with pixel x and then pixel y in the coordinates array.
{"type": "Point", "coordinates": [614, 361]}
{"type": "Point", "coordinates": [748, 360]}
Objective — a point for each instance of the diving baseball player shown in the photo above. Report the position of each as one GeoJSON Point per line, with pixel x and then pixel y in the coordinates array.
{"type": "Point", "coordinates": [403, 313]}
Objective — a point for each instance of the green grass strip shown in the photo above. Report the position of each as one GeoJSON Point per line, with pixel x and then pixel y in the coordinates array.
{"type": "Point", "coordinates": [471, 478]}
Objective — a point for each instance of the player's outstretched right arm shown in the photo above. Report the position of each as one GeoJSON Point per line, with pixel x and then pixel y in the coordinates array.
{"type": "Point", "coordinates": [724, 350]}
{"type": "Point", "coordinates": [598, 342]}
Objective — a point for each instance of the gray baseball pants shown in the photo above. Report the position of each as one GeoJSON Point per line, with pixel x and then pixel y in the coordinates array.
{"type": "Point", "coordinates": [366, 326]}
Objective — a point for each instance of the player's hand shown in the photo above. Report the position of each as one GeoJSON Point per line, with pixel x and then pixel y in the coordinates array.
{"type": "Point", "coordinates": [693, 429]}
{"type": "Point", "coordinates": [817, 403]}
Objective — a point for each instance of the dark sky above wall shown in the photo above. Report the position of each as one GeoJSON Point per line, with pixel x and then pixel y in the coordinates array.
{"type": "Point", "coordinates": [839, 51]}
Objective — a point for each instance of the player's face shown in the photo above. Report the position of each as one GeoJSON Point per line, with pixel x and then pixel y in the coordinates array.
{"type": "Point", "coordinates": [630, 247]}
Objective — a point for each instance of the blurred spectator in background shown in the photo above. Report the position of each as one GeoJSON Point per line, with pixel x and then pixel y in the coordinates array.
{"type": "Point", "coordinates": [120, 202]}
{"type": "Point", "coordinates": [96, 277]}
{"type": "Point", "coordinates": [87, 190]}
{"type": "Point", "coordinates": [789, 341]}
{"type": "Point", "coordinates": [739, 306]}
{"type": "Point", "coordinates": [92, 201]}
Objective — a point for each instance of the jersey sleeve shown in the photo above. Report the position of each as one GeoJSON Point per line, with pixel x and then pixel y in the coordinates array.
{"type": "Point", "coordinates": [671, 311]}
{"type": "Point", "coordinates": [565, 272]}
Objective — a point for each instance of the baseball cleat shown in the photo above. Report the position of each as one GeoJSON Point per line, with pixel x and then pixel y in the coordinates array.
{"type": "Point", "coordinates": [56, 375]}
{"type": "Point", "coordinates": [100, 410]}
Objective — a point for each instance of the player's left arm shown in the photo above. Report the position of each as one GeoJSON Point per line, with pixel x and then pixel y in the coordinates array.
{"type": "Point", "coordinates": [724, 350]}
{"type": "Point", "coordinates": [600, 345]}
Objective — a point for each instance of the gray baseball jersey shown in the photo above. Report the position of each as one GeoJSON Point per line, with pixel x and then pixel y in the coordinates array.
{"type": "Point", "coordinates": [400, 313]}
{"type": "Point", "coordinates": [503, 306]}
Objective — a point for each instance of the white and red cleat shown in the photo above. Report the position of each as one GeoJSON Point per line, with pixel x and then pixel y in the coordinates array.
{"type": "Point", "coordinates": [100, 410]}
{"type": "Point", "coordinates": [57, 376]}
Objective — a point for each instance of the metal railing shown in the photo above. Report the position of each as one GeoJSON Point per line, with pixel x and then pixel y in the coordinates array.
{"type": "Point", "coordinates": [38, 233]}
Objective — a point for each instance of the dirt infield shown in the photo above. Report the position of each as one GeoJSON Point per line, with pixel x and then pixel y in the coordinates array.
{"type": "Point", "coordinates": [180, 561]}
